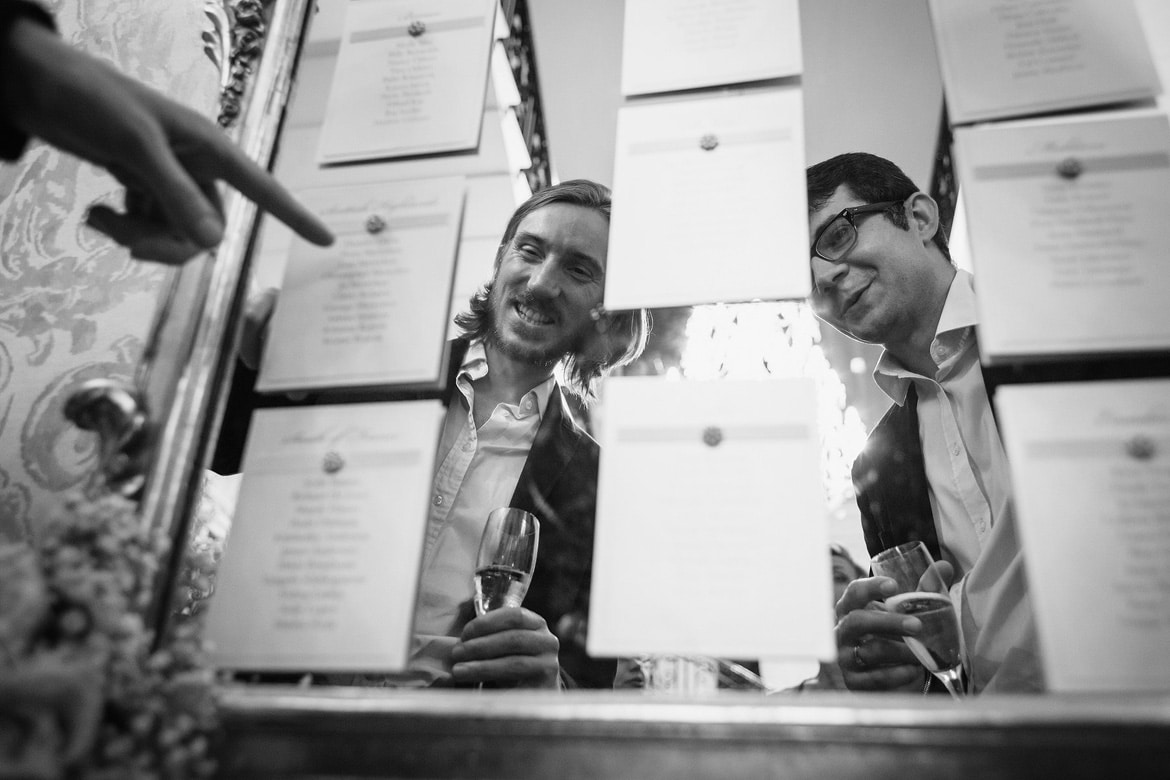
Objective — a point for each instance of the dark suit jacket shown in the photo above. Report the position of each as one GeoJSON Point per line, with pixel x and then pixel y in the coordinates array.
{"type": "Point", "coordinates": [889, 477]}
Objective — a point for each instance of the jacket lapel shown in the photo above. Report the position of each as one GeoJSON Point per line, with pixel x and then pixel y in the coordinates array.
{"type": "Point", "coordinates": [556, 442]}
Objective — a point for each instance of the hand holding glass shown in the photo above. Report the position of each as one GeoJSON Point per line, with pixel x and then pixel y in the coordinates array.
{"type": "Point", "coordinates": [923, 594]}
{"type": "Point", "coordinates": [507, 558]}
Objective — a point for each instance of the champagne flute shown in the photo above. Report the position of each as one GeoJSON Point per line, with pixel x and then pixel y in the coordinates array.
{"type": "Point", "coordinates": [923, 594]}
{"type": "Point", "coordinates": [507, 558]}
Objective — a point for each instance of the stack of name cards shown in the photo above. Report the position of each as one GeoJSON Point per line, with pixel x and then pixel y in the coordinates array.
{"type": "Point", "coordinates": [1064, 213]}
{"type": "Point", "coordinates": [410, 79]}
{"type": "Point", "coordinates": [390, 130]}
{"type": "Point", "coordinates": [1091, 470]}
{"type": "Point", "coordinates": [696, 551]}
{"type": "Point", "coordinates": [709, 194]}
{"type": "Point", "coordinates": [1066, 217]}
{"type": "Point", "coordinates": [371, 310]}
{"type": "Point", "coordinates": [321, 573]}
{"type": "Point", "coordinates": [710, 533]}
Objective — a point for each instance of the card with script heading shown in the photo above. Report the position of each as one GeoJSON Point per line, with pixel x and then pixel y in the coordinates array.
{"type": "Point", "coordinates": [711, 533]}
{"type": "Point", "coordinates": [1002, 60]}
{"type": "Point", "coordinates": [1068, 233]}
{"type": "Point", "coordinates": [371, 310]}
{"type": "Point", "coordinates": [1091, 470]}
{"type": "Point", "coordinates": [321, 569]}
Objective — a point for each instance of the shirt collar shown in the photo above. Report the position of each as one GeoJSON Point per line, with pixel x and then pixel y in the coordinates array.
{"type": "Point", "coordinates": [954, 331]}
{"type": "Point", "coordinates": [475, 366]}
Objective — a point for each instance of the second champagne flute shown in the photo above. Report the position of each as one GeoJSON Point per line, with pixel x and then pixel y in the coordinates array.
{"type": "Point", "coordinates": [923, 594]}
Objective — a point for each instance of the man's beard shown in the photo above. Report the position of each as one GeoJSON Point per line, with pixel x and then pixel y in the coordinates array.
{"type": "Point", "coordinates": [536, 356]}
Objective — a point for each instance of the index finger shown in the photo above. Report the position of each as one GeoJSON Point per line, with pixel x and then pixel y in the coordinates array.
{"type": "Point", "coordinates": [862, 591]}
{"type": "Point", "coordinates": [256, 184]}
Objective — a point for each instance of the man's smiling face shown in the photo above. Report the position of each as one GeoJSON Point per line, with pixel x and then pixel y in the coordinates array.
{"type": "Point", "coordinates": [548, 279]}
{"type": "Point", "coordinates": [884, 287]}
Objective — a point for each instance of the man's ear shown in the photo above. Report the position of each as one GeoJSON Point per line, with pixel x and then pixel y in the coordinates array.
{"type": "Point", "coordinates": [924, 216]}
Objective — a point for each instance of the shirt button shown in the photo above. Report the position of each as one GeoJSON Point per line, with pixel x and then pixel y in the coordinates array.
{"type": "Point", "coordinates": [955, 450]}
{"type": "Point", "coordinates": [437, 500]}
{"type": "Point", "coordinates": [468, 446]}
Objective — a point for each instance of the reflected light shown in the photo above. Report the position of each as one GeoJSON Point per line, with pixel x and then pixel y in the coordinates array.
{"type": "Point", "coordinates": [779, 339]}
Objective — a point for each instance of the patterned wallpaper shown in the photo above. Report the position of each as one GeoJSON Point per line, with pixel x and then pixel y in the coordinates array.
{"type": "Point", "coordinates": [73, 305]}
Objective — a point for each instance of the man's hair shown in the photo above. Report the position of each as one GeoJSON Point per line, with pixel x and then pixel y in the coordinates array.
{"type": "Point", "coordinates": [871, 178]}
{"type": "Point", "coordinates": [622, 334]}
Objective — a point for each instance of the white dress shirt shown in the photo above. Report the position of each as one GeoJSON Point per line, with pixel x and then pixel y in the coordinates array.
{"type": "Point", "coordinates": [476, 471]}
{"type": "Point", "coordinates": [971, 498]}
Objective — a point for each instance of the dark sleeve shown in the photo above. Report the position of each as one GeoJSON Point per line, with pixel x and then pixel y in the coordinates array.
{"type": "Point", "coordinates": [13, 141]}
{"type": "Point", "coordinates": [865, 487]}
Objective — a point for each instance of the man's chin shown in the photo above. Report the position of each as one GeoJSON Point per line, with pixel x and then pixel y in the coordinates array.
{"type": "Point", "coordinates": [528, 354]}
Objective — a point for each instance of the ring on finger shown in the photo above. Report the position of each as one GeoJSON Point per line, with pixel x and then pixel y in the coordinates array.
{"type": "Point", "coordinates": [858, 661]}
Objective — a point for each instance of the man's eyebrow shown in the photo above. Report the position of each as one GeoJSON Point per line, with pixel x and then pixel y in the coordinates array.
{"type": "Point", "coordinates": [524, 235]}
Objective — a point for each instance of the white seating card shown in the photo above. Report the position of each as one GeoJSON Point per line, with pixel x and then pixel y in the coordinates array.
{"type": "Point", "coordinates": [711, 534]}
{"type": "Point", "coordinates": [682, 44]}
{"type": "Point", "coordinates": [371, 310]}
{"type": "Point", "coordinates": [1068, 231]}
{"type": "Point", "coordinates": [709, 202]}
{"type": "Point", "coordinates": [411, 79]}
{"type": "Point", "coordinates": [1091, 469]}
{"type": "Point", "coordinates": [1033, 56]}
{"type": "Point", "coordinates": [321, 567]}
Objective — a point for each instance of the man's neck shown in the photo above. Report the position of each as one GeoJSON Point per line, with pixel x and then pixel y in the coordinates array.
{"type": "Point", "coordinates": [506, 381]}
{"type": "Point", "coordinates": [913, 350]}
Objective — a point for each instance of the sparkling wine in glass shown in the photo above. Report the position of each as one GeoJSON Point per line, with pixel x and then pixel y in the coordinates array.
{"type": "Point", "coordinates": [923, 594]}
{"type": "Point", "coordinates": [507, 558]}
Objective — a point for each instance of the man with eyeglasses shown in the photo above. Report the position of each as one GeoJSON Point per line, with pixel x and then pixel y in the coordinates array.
{"type": "Point", "coordinates": [934, 468]}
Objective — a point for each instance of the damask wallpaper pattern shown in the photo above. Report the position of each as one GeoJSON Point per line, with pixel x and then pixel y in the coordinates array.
{"type": "Point", "coordinates": [73, 305]}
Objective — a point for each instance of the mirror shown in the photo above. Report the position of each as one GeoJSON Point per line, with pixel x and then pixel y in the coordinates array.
{"type": "Point", "coordinates": [848, 106]}
{"type": "Point", "coordinates": [580, 104]}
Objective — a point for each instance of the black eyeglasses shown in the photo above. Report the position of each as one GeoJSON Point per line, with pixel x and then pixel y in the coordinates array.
{"type": "Point", "coordinates": [834, 240]}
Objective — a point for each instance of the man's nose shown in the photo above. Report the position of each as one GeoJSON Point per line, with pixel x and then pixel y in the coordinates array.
{"type": "Point", "coordinates": [545, 279]}
{"type": "Point", "coordinates": [826, 275]}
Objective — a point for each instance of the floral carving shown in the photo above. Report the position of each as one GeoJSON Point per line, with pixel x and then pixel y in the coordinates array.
{"type": "Point", "coordinates": [233, 43]}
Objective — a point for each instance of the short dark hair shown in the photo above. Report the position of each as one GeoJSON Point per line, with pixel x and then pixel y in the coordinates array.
{"type": "Point", "coordinates": [623, 333]}
{"type": "Point", "coordinates": [871, 178]}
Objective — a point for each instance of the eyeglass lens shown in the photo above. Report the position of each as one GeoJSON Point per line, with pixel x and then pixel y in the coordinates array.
{"type": "Point", "coordinates": [837, 238]}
